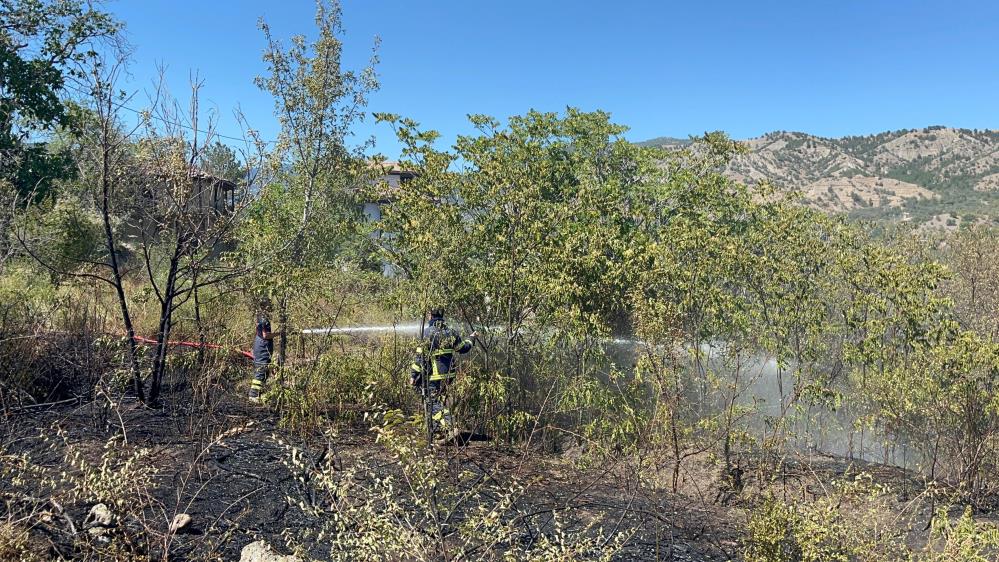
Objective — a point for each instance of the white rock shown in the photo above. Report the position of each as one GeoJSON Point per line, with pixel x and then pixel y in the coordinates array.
{"type": "Point", "coordinates": [260, 552]}
{"type": "Point", "coordinates": [100, 534]}
{"type": "Point", "coordinates": [99, 516]}
{"type": "Point", "coordinates": [180, 522]}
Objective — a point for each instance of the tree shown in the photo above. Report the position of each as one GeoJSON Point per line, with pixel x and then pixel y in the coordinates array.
{"type": "Point", "coordinates": [315, 175]}
{"type": "Point", "coordinates": [44, 44]}
{"type": "Point", "coordinates": [724, 285]}
{"type": "Point", "coordinates": [106, 175]}
{"type": "Point", "coordinates": [223, 162]}
{"type": "Point", "coordinates": [180, 221]}
{"type": "Point", "coordinates": [972, 254]}
{"type": "Point", "coordinates": [531, 236]}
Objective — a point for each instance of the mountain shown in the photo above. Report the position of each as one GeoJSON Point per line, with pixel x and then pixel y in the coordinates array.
{"type": "Point", "coordinates": [936, 176]}
{"type": "Point", "coordinates": [665, 141]}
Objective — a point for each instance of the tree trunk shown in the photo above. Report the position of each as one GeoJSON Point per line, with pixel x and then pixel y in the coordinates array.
{"type": "Point", "coordinates": [198, 323]}
{"type": "Point", "coordinates": [166, 320]}
{"type": "Point", "coordinates": [283, 323]}
{"type": "Point", "coordinates": [109, 239]}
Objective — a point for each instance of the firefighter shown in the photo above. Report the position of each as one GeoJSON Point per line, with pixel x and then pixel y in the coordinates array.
{"type": "Point", "coordinates": [434, 368]}
{"type": "Point", "coordinates": [263, 347]}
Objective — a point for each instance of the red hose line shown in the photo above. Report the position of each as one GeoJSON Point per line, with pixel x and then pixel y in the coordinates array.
{"type": "Point", "coordinates": [195, 345]}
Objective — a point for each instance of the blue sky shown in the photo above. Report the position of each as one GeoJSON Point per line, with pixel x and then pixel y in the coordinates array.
{"type": "Point", "coordinates": [662, 68]}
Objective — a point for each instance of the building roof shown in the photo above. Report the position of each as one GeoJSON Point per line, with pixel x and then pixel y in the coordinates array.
{"type": "Point", "coordinates": [222, 182]}
{"type": "Point", "coordinates": [195, 174]}
{"type": "Point", "coordinates": [391, 167]}
{"type": "Point", "coordinates": [391, 179]}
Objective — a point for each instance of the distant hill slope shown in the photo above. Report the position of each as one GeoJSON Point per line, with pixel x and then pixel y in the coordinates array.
{"type": "Point", "coordinates": [937, 175]}
{"type": "Point", "coordinates": [665, 141]}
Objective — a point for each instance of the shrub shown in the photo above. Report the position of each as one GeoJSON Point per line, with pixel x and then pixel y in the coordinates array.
{"type": "Point", "coordinates": [425, 509]}
{"type": "Point", "coordinates": [341, 384]}
{"type": "Point", "coordinates": [850, 524]}
{"type": "Point", "coordinates": [963, 540]}
{"type": "Point", "coordinates": [15, 544]}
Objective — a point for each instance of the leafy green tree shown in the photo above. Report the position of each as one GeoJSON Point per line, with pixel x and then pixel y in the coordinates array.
{"type": "Point", "coordinates": [972, 255]}
{"type": "Point", "coordinates": [301, 223]}
{"type": "Point", "coordinates": [43, 44]}
{"type": "Point", "coordinates": [727, 282]}
{"type": "Point", "coordinates": [523, 229]}
{"type": "Point", "coordinates": [223, 162]}
{"type": "Point", "coordinates": [66, 234]}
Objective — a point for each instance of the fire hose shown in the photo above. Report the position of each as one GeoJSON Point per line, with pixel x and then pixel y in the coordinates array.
{"type": "Point", "coordinates": [194, 345]}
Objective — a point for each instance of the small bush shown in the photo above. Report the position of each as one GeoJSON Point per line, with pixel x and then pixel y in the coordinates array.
{"type": "Point", "coordinates": [851, 524]}
{"type": "Point", "coordinates": [342, 385]}
{"type": "Point", "coordinates": [963, 540]}
{"type": "Point", "coordinates": [424, 509]}
{"type": "Point", "coordinates": [15, 543]}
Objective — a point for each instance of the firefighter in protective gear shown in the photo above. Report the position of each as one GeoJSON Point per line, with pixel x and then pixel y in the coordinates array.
{"type": "Point", "coordinates": [263, 348]}
{"type": "Point", "coordinates": [434, 368]}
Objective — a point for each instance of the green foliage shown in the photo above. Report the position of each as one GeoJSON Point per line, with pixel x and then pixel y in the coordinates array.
{"type": "Point", "coordinates": [529, 204]}
{"type": "Point", "coordinates": [39, 168]}
{"type": "Point", "coordinates": [972, 256]}
{"type": "Point", "coordinates": [222, 161]}
{"type": "Point", "coordinates": [956, 374]}
{"type": "Point", "coordinates": [340, 384]}
{"type": "Point", "coordinates": [728, 281]}
{"type": "Point", "coordinates": [425, 509]}
{"type": "Point", "coordinates": [908, 349]}
{"type": "Point", "coordinates": [964, 540]}
{"type": "Point", "coordinates": [531, 239]}
{"type": "Point", "coordinates": [68, 236]}
{"type": "Point", "coordinates": [308, 217]}
{"type": "Point", "coordinates": [43, 42]}
{"type": "Point", "coordinates": [853, 523]}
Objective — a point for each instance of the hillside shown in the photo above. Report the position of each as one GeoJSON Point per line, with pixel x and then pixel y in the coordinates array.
{"type": "Point", "coordinates": [935, 175]}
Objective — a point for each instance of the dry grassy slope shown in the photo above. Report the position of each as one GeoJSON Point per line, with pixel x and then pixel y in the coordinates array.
{"type": "Point", "coordinates": [988, 183]}
{"type": "Point", "coordinates": [898, 170]}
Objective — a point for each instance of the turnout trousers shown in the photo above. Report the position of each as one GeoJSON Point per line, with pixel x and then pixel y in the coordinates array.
{"type": "Point", "coordinates": [260, 371]}
{"type": "Point", "coordinates": [436, 398]}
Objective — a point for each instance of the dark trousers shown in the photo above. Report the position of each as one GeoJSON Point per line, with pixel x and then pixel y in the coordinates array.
{"type": "Point", "coordinates": [260, 371]}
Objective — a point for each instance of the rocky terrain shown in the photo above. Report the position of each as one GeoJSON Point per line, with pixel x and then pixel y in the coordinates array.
{"type": "Point", "coordinates": [935, 175]}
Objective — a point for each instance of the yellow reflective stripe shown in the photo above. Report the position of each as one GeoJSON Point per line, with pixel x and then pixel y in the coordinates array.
{"type": "Point", "coordinates": [256, 384]}
{"type": "Point", "coordinates": [416, 367]}
{"type": "Point", "coordinates": [440, 352]}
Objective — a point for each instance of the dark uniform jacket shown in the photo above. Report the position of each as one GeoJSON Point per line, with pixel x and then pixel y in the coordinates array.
{"type": "Point", "coordinates": [436, 357]}
{"type": "Point", "coordinates": [262, 348]}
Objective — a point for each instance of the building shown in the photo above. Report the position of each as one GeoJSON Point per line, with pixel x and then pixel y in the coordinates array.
{"type": "Point", "coordinates": [197, 198]}
{"type": "Point", "coordinates": [390, 179]}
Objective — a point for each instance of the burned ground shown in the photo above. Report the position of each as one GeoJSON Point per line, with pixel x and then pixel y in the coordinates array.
{"type": "Point", "coordinates": [242, 478]}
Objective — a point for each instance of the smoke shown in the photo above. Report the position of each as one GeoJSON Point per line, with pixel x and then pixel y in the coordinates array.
{"type": "Point", "coordinates": [761, 384]}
